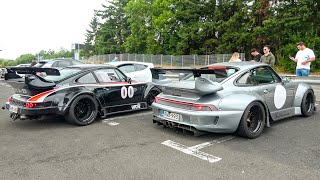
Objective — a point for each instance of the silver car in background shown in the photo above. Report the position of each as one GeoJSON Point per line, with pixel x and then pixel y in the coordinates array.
{"type": "Point", "coordinates": [241, 97]}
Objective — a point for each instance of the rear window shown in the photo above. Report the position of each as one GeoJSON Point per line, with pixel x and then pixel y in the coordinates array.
{"type": "Point", "coordinates": [40, 64]}
{"type": "Point", "coordinates": [64, 73]}
{"type": "Point", "coordinates": [218, 76]}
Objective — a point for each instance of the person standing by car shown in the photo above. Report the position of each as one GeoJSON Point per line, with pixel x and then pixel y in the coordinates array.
{"type": "Point", "coordinates": [235, 57]}
{"type": "Point", "coordinates": [256, 55]}
{"type": "Point", "coordinates": [115, 59]}
{"type": "Point", "coordinates": [303, 58]}
{"type": "Point", "coordinates": [268, 57]}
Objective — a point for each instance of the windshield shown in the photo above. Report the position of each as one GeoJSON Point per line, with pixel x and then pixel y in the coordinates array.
{"type": "Point", "coordinates": [63, 74]}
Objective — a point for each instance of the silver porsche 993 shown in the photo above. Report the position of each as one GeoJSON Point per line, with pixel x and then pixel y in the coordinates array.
{"type": "Point", "coordinates": [241, 97]}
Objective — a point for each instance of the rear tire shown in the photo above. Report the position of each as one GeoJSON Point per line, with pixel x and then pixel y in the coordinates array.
{"type": "Point", "coordinates": [253, 121]}
{"type": "Point", "coordinates": [308, 103]}
{"type": "Point", "coordinates": [83, 110]}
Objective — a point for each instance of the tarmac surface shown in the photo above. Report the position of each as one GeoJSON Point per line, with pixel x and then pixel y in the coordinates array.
{"type": "Point", "coordinates": [130, 146]}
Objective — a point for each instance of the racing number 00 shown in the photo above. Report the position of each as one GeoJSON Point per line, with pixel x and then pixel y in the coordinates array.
{"type": "Point", "coordinates": [127, 92]}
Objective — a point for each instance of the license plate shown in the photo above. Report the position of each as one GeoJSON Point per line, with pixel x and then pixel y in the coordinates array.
{"type": "Point", "coordinates": [136, 106]}
{"type": "Point", "coordinates": [170, 115]}
{"type": "Point", "coordinates": [13, 109]}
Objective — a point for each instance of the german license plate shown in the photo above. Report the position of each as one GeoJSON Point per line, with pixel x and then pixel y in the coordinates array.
{"type": "Point", "coordinates": [13, 109]}
{"type": "Point", "coordinates": [170, 115]}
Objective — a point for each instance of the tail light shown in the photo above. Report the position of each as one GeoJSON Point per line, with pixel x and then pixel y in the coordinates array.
{"type": "Point", "coordinates": [9, 99]}
{"type": "Point", "coordinates": [203, 107]}
{"type": "Point", "coordinates": [31, 105]}
{"type": "Point", "coordinates": [156, 99]}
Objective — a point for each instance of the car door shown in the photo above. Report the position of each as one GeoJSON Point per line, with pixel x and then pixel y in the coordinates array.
{"type": "Point", "coordinates": [118, 94]}
{"type": "Point", "coordinates": [277, 95]}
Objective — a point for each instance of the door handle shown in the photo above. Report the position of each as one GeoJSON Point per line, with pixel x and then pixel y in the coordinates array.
{"type": "Point", "coordinates": [266, 91]}
{"type": "Point", "coordinates": [106, 89]}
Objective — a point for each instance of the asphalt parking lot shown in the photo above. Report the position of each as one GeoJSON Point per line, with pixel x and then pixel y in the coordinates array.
{"type": "Point", "coordinates": [130, 146]}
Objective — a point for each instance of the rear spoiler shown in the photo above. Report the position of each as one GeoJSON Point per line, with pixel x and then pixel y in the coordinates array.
{"type": "Point", "coordinates": [201, 87]}
{"type": "Point", "coordinates": [33, 70]}
{"type": "Point", "coordinates": [12, 72]}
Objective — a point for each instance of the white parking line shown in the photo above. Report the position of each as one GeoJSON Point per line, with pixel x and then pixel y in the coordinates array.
{"type": "Point", "coordinates": [207, 144]}
{"type": "Point", "coordinates": [111, 123]}
{"type": "Point", "coordinates": [193, 152]}
{"type": "Point", "coordinates": [126, 117]}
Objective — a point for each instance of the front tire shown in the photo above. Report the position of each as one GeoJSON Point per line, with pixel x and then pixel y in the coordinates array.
{"type": "Point", "coordinates": [253, 121]}
{"type": "Point", "coordinates": [308, 103]}
{"type": "Point", "coordinates": [83, 110]}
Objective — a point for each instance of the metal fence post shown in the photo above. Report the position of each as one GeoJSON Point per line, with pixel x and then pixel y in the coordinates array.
{"type": "Point", "coordinates": [151, 58]}
{"type": "Point", "coordinates": [143, 57]}
{"type": "Point", "coordinates": [171, 60]}
{"type": "Point", "coordinates": [182, 61]}
{"type": "Point", "coordinates": [194, 60]}
{"type": "Point", "coordinates": [222, 57]}
{"type": "Point", "coordinates": [161, 59]}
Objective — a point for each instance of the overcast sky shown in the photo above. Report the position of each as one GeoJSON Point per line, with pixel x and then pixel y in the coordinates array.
{"type": "Point", "coordinates": [28, 26]}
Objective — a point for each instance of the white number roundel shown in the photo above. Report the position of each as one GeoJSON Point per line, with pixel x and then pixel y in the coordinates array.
{"type": "Point", "coordinates": [124, 92]}
{"type": "Point", "coordinates": [130, 91]}
{"type": "Point", "coordinates": [127, 92]}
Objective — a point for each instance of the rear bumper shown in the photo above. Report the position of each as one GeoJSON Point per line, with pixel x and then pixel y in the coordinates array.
{"type": "Point", "coordinates": [210, 121]}
{"type": "Point", "coordinates": [33, 111]}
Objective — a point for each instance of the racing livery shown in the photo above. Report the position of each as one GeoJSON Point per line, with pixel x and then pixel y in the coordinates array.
{"type": "Point", "coordinates": [241, 97]}
{"type": "Point", "coordinates": [79, 93]}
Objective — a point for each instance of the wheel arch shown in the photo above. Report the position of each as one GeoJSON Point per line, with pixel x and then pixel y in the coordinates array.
{"type": "Point", "coordinates": [299, 94]}
{"type": "Point", "coordinates": [72, 96]}
{"type": "Point", "coordinates": [229, 103]}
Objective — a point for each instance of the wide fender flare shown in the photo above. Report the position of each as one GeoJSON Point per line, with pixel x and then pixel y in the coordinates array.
{"type": "Point", "coordinates": [240, 101]}
{"type": "Point", "coordinates": [301, 90]}
{"type": "Point", "coordinates": [150, 87]}
{"type": "Point", "coordinates": [70, 96]}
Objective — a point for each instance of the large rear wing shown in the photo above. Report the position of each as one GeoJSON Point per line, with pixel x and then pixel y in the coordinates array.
{"type": "Point", "coordinates": [200, 85]}
{"type": "Point", "coordinates": [12, 72]}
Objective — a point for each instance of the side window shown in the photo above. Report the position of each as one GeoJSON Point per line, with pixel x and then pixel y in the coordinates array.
{"type": "Point", "coordinates": [76, 62]}
{"type": "Point", "coordinates": [275, 76]}
{"type": "Point", "coordinates": [140, 67]}
{"type": "Point", "coordinates": [88, 78]}
{"type": "Point", "coordinates": [262, 76]}
{"type": "Point", "coordinates": [128, 68]}
{"type": "Point", "coordinates": [107, 75]}
{"type": "Point", "coordinates": [246, 79]}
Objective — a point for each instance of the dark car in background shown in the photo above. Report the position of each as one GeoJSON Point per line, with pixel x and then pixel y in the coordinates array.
{"type": "Point", "coordinates": [57, 63]}
{"type": "Point", "coordinates": [79, 93]}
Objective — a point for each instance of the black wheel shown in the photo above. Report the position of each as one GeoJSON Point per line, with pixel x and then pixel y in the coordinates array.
{"type": "Point", "coordinates": [83, 110]}
{"type": "Point", "coordinates": [252, 121]}
{"type": "Point", "coordinates": [150, 97]}
{"type": "Point", "coordinates": [308, 104]}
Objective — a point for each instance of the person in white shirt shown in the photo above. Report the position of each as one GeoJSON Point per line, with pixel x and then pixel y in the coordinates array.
{"type": "Point", "coordinates": [235, 57]}
{"type": "Point", "coordinates": [303, 58]}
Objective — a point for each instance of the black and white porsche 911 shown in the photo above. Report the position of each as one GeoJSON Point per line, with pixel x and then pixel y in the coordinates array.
{"type": "Point", "coordinates": [79, 93]}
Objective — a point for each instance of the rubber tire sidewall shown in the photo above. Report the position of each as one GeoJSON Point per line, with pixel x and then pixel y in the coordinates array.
{"type": "Point", "coordinates": [243, 128]}
{"type": "Point", "coordinates": [304, 110]}
{"type": "Point", "coordinates": [71, 116]}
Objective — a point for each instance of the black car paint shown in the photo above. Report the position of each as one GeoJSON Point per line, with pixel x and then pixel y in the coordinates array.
{"type": "Point", "coordinates": [107, 95]}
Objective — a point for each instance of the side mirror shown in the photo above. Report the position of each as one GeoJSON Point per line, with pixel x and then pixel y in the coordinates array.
{"type": "Point", "coordinates": [129, 80]}
{"type": "Point", "coordinates": [285, 80]}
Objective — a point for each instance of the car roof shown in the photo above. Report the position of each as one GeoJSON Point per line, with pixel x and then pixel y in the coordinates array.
{"type": "Point", "coordinates": [91, 66]}
{"type": "Point", "coordinates": [117, 63]}
{"type": "Point", "coordinates": [59, 59]}
{"type": "Point", "coordinates": [241, 65]}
